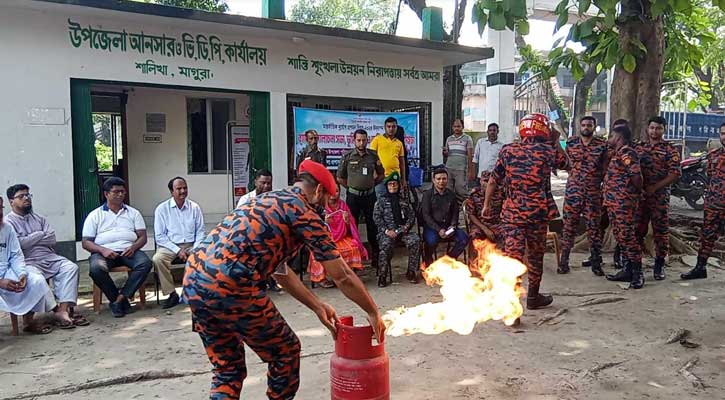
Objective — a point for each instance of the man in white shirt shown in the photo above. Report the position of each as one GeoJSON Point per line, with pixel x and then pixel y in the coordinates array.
{"type": "Point", "coordinates": [486, 152]}
{"type": "Point", "coordinates": [114, 234]}
{"type": "Point", "coordinates": [178, 228]}
{"type": "Point", "coordinates": [262, 184]}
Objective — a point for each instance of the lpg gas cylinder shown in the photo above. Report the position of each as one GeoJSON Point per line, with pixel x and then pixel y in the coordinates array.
{"type": "Point", "coordinates": [359, 370]}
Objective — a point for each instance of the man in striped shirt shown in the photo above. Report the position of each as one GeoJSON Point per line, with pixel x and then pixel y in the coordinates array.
{"type": "Point", "coordinates": [457, 154]}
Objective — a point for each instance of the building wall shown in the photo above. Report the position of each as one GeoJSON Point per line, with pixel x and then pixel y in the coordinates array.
{"type": "Point", "coordinates": [38, 60]}
{"type": "Point", "coordinates": [151, 165]}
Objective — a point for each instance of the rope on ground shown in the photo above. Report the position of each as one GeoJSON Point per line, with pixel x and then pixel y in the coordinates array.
{"type": "Point", "coordinates": [582, 294]}
{"type": "Point", "coordinates": [548, 317]}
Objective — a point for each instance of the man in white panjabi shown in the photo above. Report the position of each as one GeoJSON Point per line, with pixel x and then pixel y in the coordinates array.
{"type": "Point", "coordinates": [23, 291]}
{"type": "Point", "coordinates": [37, 239]}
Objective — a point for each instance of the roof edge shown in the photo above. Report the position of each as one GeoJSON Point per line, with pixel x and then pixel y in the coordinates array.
{"type": "Point", "coordinates": [265, 23]}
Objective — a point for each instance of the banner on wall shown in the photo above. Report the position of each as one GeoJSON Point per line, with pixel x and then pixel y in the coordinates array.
{"type": "Point", "coordinates": [240, 160]}
{"type": "Point", "coordinates": [336, 130]}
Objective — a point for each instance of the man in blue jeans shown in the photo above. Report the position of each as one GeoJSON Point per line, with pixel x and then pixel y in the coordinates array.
{"type": "Point", "coordinates": [114, 234]}
{"type": "Point", "coordinates": [439, 210]}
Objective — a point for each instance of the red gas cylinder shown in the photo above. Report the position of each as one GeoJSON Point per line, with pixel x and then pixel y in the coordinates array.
{"type": "Point", "coordinates": [358, 370]}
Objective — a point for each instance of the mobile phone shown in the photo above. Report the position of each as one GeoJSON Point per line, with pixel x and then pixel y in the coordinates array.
{"type": "Point", "coordinates": [450, 231]}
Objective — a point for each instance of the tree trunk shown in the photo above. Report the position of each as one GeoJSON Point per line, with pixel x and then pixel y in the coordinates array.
{"type": "Point", "coordinates": [581, 94]}
{"type": "Point", "coordinates": [636, 96]}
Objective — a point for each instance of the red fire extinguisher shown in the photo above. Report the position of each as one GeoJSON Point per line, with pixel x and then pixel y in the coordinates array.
{"type": "Point", "coordinates": [358, 370]}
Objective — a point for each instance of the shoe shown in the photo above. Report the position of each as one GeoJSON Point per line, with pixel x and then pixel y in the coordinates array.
{"type": "Point", "coordinates": [171, 301]}
{"type": "Point", "coordinates": [659, 268]}
{"type": "Point", "coordinates": [539, 301]}
{"type": "Point", "coordinates": [617, 258]}
{"type": "Point", "coordinates": [699, 272]}
{"type": "Point", "coordinates": [383, 281]}
{"type": "Point", "coordinates": [273, 286]}
{"type": "Point", "coordinates": [637, 281]}
{"type": "Point", "coordinates": [623, 275]}
{"type": "Point", "coordinates": [587, 263]}
{"type": "Point", "coordinates": [412, 277]}
{"type": "Point", "coordinates": [595, 262]}
{"type": "Point", "coordinates": [117, 310]}
{"type": "Point", "coordinates": [563, 263]}
{"type": "Point", "coordinates": [127, 309]}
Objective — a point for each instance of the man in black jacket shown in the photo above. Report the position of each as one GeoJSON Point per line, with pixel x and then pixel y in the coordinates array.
{"type": "Point", "coordinates": [439, 211]}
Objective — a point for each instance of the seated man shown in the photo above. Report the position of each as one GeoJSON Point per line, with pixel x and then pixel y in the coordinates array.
{"type": "Point", "coordinates": [262, 184]}
{"type": "Point", "coordinates": [439, 210]}
{"type": "Point", "coordinates": [114, 234]}
{"type": "Point", "coordinates": [483, 226]}
{"type": "Point", "coordinates": [22, 291]}
{"type": "Point", "coordinates": [37, 239]}
{"type": "Point", "coordinates": [394, 217]}
{"type": "Point", "coordinates": [178, 227]}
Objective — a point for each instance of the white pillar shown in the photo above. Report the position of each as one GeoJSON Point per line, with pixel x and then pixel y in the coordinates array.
{"type": "Point", "coordinates": [500, 83]}
{"type": "Point", "coordinates": [278, 142]}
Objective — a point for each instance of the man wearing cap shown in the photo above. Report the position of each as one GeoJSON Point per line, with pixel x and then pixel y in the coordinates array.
{"type": "Point", "coordinates": [394, 217]}
{"type": "Point", "coordinates": [359, 171]}
{"type": "Point", "coordinates": [526, 168]}
{"type": "Point", "coordinates": [225, 286]}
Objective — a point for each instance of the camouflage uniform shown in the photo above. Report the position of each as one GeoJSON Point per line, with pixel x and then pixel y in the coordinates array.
{"type": "Point", "coordinates": [583, 196]}
{"type": "Point", "coordinates": [621, 200]}
{"type": "Point", "coordinates": [492, 219]}
{"type": "Point", "coordinates": [657, 161]}
{"type": "Point", "coordinates": [525, 168]}
{"type": "Point", "coordinates": [384, 217]}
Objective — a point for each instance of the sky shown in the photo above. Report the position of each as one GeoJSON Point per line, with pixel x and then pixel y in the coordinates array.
{"type": "Point", "coordinates": [540, 34]}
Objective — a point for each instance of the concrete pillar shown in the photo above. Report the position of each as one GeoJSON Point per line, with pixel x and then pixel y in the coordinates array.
{"type": "Point", "coordinates": [273, 9]}
{"type": "Point", "coordinates": [278, 139]}
{"type": "Point", "coordinates": [433, 23]}
{"type": "Point", "coordinates": [500, 83]}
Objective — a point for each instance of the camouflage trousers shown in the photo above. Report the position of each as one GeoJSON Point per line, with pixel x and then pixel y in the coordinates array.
{"type": "Point", "coordinates": [387, 245]}
{"type": "Point", "coordinates": [713, 225]}
{"type": "Point", "coordinates": [527, 243]}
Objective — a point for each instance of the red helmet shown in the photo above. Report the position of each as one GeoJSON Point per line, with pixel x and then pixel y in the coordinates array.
{"type": "Point", "coordinates": [534, 125]}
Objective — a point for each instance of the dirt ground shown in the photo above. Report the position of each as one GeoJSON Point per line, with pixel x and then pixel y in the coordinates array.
{"type": "Point", "coordinates": [570, 357]}
{"type": "Point", "coordinates": [494, 362]}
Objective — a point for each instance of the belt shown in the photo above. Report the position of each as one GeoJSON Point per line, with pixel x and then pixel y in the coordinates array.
{"type": "Point", "coordinates": [360, 192]}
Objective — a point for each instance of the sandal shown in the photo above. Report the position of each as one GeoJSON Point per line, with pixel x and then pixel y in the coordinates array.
{"type": "Point", "coordinates": [38, 329]}
{"type": "Point", "coordinates": [63, 324]}
{"type": "Point", "coordinates": [79, 320]}
{"type": "Point", "coordinates": [327, 284]}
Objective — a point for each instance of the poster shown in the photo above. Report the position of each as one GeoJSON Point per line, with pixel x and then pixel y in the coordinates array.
{"type": "Point", "coordinates": [240, 160]}
{"type": "Point", "coordinates": [336, 130]}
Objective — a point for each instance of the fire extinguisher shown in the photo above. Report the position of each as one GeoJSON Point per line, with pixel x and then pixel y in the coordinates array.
{"type": "Point", "coordinates": [358, 370]}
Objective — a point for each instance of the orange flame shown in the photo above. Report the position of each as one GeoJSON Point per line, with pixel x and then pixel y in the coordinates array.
{"type": "Point", "coordinates": [467, 299]}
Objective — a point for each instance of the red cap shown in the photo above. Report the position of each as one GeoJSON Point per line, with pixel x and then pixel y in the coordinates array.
{"type": "Point", "coordinates": [534, 125]}
{"type": "Point", "coordinates": [321, 174]}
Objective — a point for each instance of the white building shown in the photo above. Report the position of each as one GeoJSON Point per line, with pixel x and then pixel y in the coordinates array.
{"type": "Point", "coordinates": [157, 86]}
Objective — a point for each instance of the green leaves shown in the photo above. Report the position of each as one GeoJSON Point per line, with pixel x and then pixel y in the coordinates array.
{"type": "Point", "coordinates": [523, 27]}
{"type": "Point", "coordinates": [497, 21]}
{"type": "Point", "coordinates": [629, 63]}
{"type": "Point", "coordinates": [561, 20]}
{"type": "Point", "coordinates": [584, 6]}
{"type": "Point", "coordinates": [500, 15]}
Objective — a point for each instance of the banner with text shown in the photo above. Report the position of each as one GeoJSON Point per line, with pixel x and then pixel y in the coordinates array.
{"type": "Point", "coordinates": [336, 130]}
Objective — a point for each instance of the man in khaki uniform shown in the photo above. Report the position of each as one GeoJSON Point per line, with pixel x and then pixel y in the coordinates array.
{"type": "Point", "coordinates": [359, 171]}
{"type": "Point", "coordinates": [178, 227]}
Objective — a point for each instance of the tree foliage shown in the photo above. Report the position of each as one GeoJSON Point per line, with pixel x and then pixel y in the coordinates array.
{"type": "Point", "coordinates": [369, 15]}
{"type": "Point", "coordinates": [218, 6]}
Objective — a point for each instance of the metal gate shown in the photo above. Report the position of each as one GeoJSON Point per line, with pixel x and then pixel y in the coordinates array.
{"type": "Point", "coordinates": [530, 97]}
{"type": "Point", "coordinates": [673, 107]}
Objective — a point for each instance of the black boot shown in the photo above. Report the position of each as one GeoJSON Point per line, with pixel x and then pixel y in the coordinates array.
{"type": "Point", "coordinates": [617, 257]}
{"type": "Point", "coordinates": [596, 262]}
{"type": "Point", "coordinates": [536, 300]}
{"type": "Point", "coordinates": [623, 275]}
{"type": "Point", "coordinates": [699, 272]}
{"type": "Point", "coordinates": [563, 263]}
{"type": "Point", "coordinates": [659, 268]}
{"type": "Point", "coordinates": [637, 275]}
{"type": "Point", "coordinates": [587, 263]}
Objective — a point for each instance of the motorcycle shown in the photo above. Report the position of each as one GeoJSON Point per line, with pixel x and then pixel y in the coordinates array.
{"type": "Point", "coordinates": [692, 183]}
